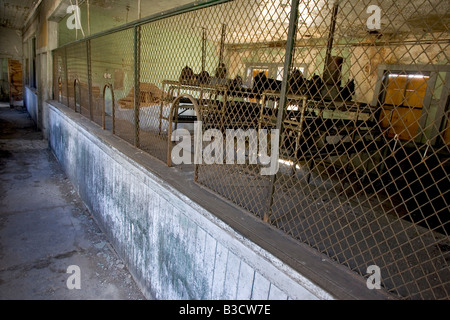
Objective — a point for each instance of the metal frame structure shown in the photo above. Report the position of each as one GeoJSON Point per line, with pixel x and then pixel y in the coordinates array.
{"type": "Point", "coordinates": [344, 187]}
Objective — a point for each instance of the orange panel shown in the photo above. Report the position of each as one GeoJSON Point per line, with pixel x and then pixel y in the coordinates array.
{"type": "Point", "coordinates": [395, 90]}
{"type": "Point", "coordinates": [404, 123]}
{"type": "Point", "coordinates": [403, 92]}
{"type": "Point", "coordinates": [256, 71]}
{"type": "Point", "coordinates": [385, 116]}
{"type": "Point", "coordinates": [415, 92]}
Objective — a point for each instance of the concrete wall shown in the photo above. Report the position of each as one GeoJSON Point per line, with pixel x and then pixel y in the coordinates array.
{"type": "Point", "coordinates": [30, 102]}
{"type": "Point", "coordinates": [45, 31]}
{"type": "Point", "coordinates": [174, 248]}
{"type": "Point", "coordinates": [10, 43]}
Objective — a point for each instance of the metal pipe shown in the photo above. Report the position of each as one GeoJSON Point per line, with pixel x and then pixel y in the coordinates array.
{"type": "Point", "coordinates": [222, 44]}
{"type": "Point", "coordinates": [88, 17]}
{"type": "Point", "coordinates": [331, 34]}
{"type": "Point", "coordinates": [77, 19]}
{"type": "Point", "coordinates": [89, 70]}
{"type": "Point", "coordinates": [320, 44]}
{"type": "Point", "coordinates": [293, 24]}
{"type": "Point", "coordinates": [203, 49]}
{"type": "Point", "coordinates": [139, 9]}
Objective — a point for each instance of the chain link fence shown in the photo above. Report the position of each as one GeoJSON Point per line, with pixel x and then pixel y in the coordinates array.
{"type": "Point", "coordinates": [352, 98]}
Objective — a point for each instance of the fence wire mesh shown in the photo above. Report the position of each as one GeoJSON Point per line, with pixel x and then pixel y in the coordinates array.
{"type": "Point", "coordinates": [367, 177]}
{"type": "Point", "coordinates": [77, 78]}
{"type": "Point", "coordinates": [112, 63]}
{"type": "Point", "coordinates": [59, 77]}
{"type": "Point", "coordinates": [362, 111]}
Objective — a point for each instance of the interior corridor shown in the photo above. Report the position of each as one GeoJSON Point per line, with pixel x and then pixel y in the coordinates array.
{"type": "Point", "coordinates": [45, 227]}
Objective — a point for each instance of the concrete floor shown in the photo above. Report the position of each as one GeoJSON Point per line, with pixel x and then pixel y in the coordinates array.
{"type": "Point", "coordinates": [45, 227]}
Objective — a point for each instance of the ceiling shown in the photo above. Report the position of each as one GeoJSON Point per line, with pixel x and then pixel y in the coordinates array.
{"type": "Point", "coordinates": [14, 13]}
{"type": "Point", "coordinates": [314, 14]}
{"type": "Point", "coordinates": [251, 21]}
{"type": "Point", "coordinates": [119, 9]}
{"type": "Point", "coordinates": [147, 7]}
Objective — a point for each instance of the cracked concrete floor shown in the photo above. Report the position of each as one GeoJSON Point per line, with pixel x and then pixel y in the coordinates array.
{"type": "Point", "coordinates": [45, 227]}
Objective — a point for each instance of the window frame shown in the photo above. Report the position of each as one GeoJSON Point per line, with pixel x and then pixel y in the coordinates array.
{"type": "Point", "coordinates": [428, 70]}
{"type": "Point", "coordinates": [272, 67]}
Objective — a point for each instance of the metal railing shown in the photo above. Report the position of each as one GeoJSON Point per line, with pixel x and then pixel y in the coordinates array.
{"type": "Point", "coordinates": [359, 94]}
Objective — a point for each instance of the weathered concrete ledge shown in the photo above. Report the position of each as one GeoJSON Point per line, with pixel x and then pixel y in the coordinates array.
{"type": "Point", "coordinates": [179, 240]}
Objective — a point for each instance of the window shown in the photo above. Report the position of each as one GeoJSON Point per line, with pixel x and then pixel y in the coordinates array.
{"type": "Point", "coordinates": [253, 71]}
{"type": "Point", "coordinates": [406, 90]}
{"type": "Point", "coordinates": [272, 70]}
{"type": "Point", "coordinates": [404, 95]}
{"type": "Point", "coordinates": [280, 71]}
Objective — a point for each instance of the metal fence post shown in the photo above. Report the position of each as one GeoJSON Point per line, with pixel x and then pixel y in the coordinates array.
{"type": "Point", "coordinates": [89, 70]}
{"type": "Point", "coordinates": [292, 31]}
{"type": "Point", "coordinates": [137, 60]}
